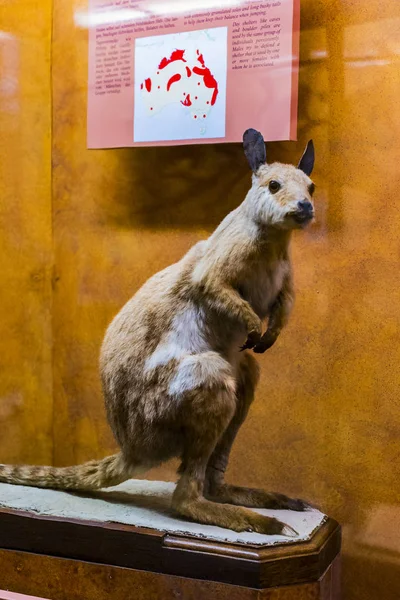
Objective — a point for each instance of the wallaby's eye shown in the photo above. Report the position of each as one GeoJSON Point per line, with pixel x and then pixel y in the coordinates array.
{"type": "Point", "coordinates": [274, 186]}
{"type": "Point", "coordinates": [311, 188]}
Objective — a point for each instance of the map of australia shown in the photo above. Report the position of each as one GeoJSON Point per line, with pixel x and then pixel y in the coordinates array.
{"type": "Point", "coordinates": [182, 94]}
{"type": "Point", "coordinates": [179, 80]}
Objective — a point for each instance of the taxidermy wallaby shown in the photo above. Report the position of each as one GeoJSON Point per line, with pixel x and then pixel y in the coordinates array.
{"type": "Point", "coordinates": [178, 378]}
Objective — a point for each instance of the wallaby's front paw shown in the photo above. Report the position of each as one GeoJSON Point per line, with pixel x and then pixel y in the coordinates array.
{"type": "Point", "coordinates": [253, 338]}
{"type": "Point", "coordinates": [267, 340]}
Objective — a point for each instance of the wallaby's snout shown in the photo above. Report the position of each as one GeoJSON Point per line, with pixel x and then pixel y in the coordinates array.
{"type": "Point", "coordinates": [305, 206]}
{"type": "Point", "coordinates": [304, 213]}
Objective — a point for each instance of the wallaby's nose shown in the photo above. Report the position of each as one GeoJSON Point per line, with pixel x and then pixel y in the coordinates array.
{"type": "Point", "coordinates": [305, 206]}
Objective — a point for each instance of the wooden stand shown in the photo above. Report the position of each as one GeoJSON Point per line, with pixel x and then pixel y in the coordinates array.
{"type": "Point", "coordinates": [63, 559]}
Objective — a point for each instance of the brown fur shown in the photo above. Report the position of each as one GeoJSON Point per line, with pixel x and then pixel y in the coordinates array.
{"type": "Point", "coordinates": [175, 382]}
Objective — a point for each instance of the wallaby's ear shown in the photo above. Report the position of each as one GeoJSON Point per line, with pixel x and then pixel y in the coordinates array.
{"type": "Point", "coordinates": [306, 163]}
{"type": "Point", "coordinates": [254, 149]}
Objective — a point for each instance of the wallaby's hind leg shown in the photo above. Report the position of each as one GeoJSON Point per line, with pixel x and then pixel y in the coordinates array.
{"type": "Point", "coordinates": [211, 412]}
{"type": "Point", "coordinates": [215, 487]}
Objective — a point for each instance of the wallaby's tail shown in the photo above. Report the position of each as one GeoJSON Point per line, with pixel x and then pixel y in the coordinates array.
{"type": "Point", "coordinates": [92, 475]}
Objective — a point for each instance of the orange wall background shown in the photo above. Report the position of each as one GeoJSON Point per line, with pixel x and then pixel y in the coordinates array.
{"type": "Point", "coordinates": [81, 230]}
{"type": "Point", "coordinates": [26, 259]}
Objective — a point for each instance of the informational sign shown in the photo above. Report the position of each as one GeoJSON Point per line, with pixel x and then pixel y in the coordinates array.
{"type": "Point", "coordinates": [190, 71]}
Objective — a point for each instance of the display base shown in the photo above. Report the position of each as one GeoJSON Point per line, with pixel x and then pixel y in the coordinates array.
{"type": "Point", "coordinates": [63, 558]}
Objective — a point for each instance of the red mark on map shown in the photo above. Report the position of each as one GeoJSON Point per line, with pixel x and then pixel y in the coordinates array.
{"type": "Point", "coordinates": [187, 101]}
{"type": "Point", "coordinates": [172, 80]}
{"type": "Point", "coordinates": [147, 83]}
{"type": "Point", "coordinates": [176, 55]}
{"type": "Point", "coordinates": [200, 58]}
{"type": "Point", "coordinates": [209, 81]}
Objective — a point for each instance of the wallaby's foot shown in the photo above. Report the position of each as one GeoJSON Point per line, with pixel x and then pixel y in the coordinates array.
{"type": "Point", "coordinates": [232, 517]}
{"type": "Point", "coordinates": [254, 498]}
{"type": "Point", "coordinates": [253, 338]}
